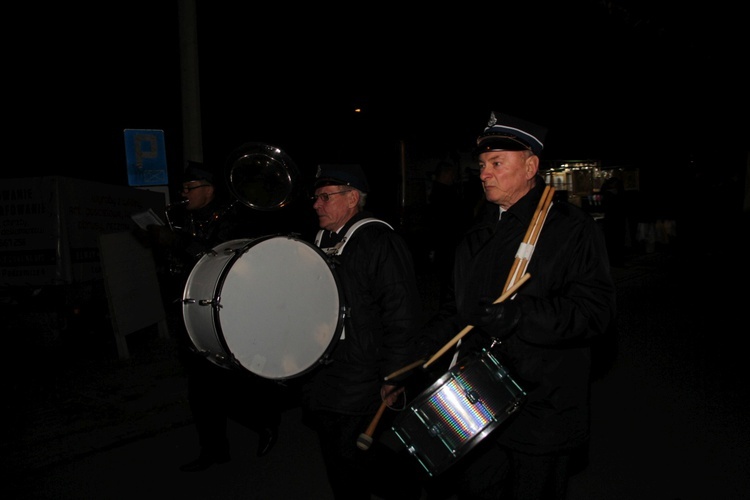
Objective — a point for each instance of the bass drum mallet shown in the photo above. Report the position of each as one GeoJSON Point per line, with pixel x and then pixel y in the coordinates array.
{"type": "Point", "coordinates": [364, 441]}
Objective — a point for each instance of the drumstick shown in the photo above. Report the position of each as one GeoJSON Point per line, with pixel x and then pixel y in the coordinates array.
{"type": "Point", "coordinates": [542, 207]}
{"type": "Point", "coordinates": [514, 269]}
{"type": "Point", "coordinates": [528, 250]}
{"type": "Point", "coordinates": [468, 328]}
{"type": "Point", "coordinates": [364, 441]}
{"type": "Point", "coordinates": [404, 369]}
{"type": "Point", "coordinates": [549, 193]}
{"type": "Point", "coordinates": [547, 199]}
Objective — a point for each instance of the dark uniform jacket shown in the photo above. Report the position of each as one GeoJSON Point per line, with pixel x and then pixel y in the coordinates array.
{"type": "Point", "coordinates": [383, 312]}
{"type": "Point", "coordinates": [568, 301]}
{"type": "Point", "coordinates": [207, 227]}
{"type": "Point", "coordinates": [192, 234]}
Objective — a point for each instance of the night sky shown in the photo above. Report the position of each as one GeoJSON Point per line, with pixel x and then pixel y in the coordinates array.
{"type": "Point", "coordinates": [622, 82]}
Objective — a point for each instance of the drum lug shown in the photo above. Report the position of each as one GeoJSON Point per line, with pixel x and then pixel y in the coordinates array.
{"type": "Point", "coordinates": [203, 302]}
{"type": "Point", "coordinates": [513, 407]}
{"type": "Point", "coordinates": [472, 396]}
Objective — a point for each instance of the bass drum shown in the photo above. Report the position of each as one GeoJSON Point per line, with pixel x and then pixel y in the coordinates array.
{"type": "Point", "coordinates": [271, 306]}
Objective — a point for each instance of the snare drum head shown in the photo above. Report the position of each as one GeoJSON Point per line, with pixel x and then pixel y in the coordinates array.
{"type": "Point", "coordinates": [280, 310]}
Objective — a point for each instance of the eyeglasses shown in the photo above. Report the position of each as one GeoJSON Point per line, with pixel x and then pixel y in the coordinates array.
{"type": "Point", "coordinates": [186, 188]}
{"type": "Point", "coordinates": [326, 196]}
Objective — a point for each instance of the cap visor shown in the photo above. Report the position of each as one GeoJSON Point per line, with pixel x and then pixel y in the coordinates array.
{"type": "Point", "coordinates": [500, 144]}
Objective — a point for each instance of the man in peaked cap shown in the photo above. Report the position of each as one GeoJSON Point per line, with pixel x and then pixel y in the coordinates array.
{"type": "Point", "coordinates": [215, 393]}
{"type": "Point", "coordinates": [542, 335]}
{"type": "Point", "coordinates": [509, 139]}
{"type": "Point", "coordinates": [374, 266]}
{"type": "Point", "coordinates": [198, 191]}
{"type": "Point", "coordinates": [508, 133]}
{"type": "Point", "coordinates": [342, 175]}
{"type": "Point", "coordinates": [195, 171]}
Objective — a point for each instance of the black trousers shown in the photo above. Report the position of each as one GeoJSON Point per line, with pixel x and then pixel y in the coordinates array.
{"type": "Point", "coordinates": [216, 394]}
{"type": "Point", "coordinates": [356, 474]}
{"type": "Point", "coordinates": [489, 472]}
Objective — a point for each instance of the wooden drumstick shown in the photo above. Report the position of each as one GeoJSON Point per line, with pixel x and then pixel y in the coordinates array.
{"type": "Point", "coordinates": [532, 233]}
{"type": "Point", "coordinates": [404, 369]}
{"type": "Point", "coordinates": [468, 328]}
{"type": "Point", "coordinates": [364, 441]}
{"type": "Point", "coordinates": [529, 230]}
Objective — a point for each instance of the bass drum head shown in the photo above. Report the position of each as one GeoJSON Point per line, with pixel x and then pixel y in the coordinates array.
{"type": "Point", "coordinates": [262, 176]}
{"type": "Point", "coordinates": [281, 308]}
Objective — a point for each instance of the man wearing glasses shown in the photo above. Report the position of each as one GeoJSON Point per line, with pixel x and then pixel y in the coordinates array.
{"type": "Point", "coordinates": [203, 221]}
{"type": "Point", "coordinates": [383, 311]}
{"type": "Point", "coordinates": [197, 223]}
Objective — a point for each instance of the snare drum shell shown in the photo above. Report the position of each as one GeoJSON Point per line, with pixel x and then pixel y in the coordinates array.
{"type": "Point", "coordinates": [456, 412]}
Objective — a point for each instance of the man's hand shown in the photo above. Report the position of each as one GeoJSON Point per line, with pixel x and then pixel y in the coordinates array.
{"type": "Point", "coordinates": [497, 320]}
{"type": "Point", "coordinates": [389, 393]}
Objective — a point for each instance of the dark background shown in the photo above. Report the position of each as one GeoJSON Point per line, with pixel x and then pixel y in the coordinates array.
{"type": "Point", "coordinates": [655, 85]}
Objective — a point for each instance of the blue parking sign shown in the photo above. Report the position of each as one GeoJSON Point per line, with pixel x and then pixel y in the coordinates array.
{"type": "Point", "coordinates": [146, 157]}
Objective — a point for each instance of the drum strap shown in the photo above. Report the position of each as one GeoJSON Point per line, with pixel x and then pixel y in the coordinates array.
{"type": "Point", "coordinates": [339, 247]}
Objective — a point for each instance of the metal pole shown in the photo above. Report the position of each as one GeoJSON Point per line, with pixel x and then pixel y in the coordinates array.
{"type": "Point", "coordinates": [402, 202]}
{"type": "Point", "coordinates": [192, 140]}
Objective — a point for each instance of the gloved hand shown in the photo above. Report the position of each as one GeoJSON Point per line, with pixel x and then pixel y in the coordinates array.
{"type": "Point", "coordinates": [496, 320]}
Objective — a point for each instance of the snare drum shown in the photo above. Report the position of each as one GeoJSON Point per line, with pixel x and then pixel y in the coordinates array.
{"type": "Point", "coordinates": [271, 306]}
{"type": "Point", "coordinates": [455, 413]}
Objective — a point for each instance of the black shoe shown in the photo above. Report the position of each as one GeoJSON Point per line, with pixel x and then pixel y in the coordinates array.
{"type": "Point", "coordinates": [203, 462]}
{"type": "Point", "coordinates": [266, 440]}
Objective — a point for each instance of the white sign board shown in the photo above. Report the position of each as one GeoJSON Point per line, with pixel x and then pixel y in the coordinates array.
{"type": "Point", "coordinates": [49, 227]}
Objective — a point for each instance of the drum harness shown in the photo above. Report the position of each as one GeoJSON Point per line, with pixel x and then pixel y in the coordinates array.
{"type": "Point", "coordinates": [338, 248]}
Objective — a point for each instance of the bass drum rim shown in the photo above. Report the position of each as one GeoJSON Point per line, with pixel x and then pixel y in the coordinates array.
{"type": "Point", "coordinates": [274, 332]}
